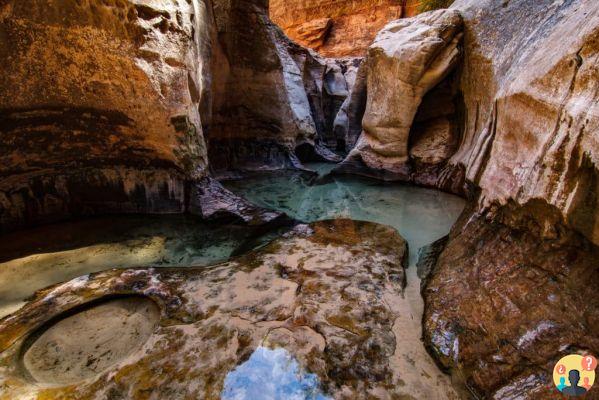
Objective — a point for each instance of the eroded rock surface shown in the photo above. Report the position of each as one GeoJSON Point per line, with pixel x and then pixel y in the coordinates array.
{"type": "Point", "coordinates": [322, 292]}
{"type": "Point", "coordinates": [408, 58]}
{"type": "Point", "coordinates": [99, 106]}
{"type": "Point", "coordinates": [334, 28]}
{"type": "Point", "coordinates": [502, 307]}
{"type": "Point", "coordinates": [530, 86]}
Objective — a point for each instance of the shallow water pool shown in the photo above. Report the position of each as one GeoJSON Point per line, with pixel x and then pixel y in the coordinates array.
{"type": "Point", "coordinates": [420, 215]}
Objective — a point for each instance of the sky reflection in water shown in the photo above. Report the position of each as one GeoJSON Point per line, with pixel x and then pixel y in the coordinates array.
{"type": "Point", "coordinates": [271, 374]}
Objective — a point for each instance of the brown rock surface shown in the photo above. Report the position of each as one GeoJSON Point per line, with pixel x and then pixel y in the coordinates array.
{"type": "Point", "coordinates": [334, 28]}
{"type": "Point", "coordinates": [502, 307]}
{"type": "Point", "coordinates": [99, 106]}
{"type": "Point", "coordinates": [322, 293]}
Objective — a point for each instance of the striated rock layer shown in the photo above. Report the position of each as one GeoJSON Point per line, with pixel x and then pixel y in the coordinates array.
{"type": "Point", "coordinates": [321, 293]}
{"type": "Point", "coordinates": [99, 107]}
{"type": "Point", "coordinates": [270, 95]}
{"type": "Point", "coordinates": [530, 87]}
{"type": "Point", "coordinates": [526, 252]}
{"type": "Point", "coordinates": [105, 106]}
{"type": "Point", "coordinates": [335, 28]}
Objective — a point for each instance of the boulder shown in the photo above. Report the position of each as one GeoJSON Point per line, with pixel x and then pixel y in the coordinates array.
{"type": "Point", "coordinates": [502, 307]}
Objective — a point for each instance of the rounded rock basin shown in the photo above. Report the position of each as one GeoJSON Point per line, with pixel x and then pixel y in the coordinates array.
{"type": "Point", "coordinates": [90, 341]}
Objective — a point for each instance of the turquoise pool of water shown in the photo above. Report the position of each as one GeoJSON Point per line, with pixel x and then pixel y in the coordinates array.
{"type": "Point", "coordinates": [420, 215]}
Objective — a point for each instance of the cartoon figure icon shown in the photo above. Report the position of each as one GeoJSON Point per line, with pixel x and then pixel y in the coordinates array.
{"type": "Point", "coordinates": [574, 389]}
{"type": "Point", "coordinates": [586, 383]}
{"type": "Point", "coordinates": [562, 384]}
{"type": "Point", "coordinates": [574, 374]}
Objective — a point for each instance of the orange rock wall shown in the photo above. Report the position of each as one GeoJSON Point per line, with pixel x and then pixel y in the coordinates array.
{"type": "Point", "coordinates": [337, 28]}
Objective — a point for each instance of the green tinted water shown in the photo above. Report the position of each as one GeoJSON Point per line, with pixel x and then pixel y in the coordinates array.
{"type": "Point", "coordinates": [420, 215]}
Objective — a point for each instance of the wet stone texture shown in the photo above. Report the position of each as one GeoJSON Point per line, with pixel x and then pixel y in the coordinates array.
{"type": "Point", "coordinates": [503, 306]}
{"type": "Point", "coordinates": [320, 292]}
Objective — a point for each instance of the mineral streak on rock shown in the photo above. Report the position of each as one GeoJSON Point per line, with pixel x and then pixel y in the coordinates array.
{"type": "Point", "coordinates": [321, 292]}
{"type": "Point", "coordinates": [530, 84]}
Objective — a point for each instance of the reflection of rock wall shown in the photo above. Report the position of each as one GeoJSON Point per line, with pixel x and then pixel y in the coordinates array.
{"type": "Point", "coordinates": [334, 28]}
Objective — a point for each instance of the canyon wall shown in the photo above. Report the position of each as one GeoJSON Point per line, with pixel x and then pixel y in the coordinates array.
{"type": "Point", "coordinates": [335, 28]}
{"type": "Point", "coordinates": [530, 83]}
{"type": "Point", "coordinates": [408, 126]}
{"type": "Point", "coordinates": [106, 107]}
{"type": "Point", "coordinates": [513, 291]}
{"type": "Point", "coordinates": [99, 107]}
{"type": "Point", "coordinates": [269, 94]}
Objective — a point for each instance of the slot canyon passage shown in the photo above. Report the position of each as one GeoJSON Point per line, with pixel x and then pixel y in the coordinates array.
{"type": "Point", "coordinates": [353, 200]}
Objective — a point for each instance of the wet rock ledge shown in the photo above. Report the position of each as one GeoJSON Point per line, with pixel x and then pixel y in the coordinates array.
{"type": "Point", "coordinates": [321, 292]}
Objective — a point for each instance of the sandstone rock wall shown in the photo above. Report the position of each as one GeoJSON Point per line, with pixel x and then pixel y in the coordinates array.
{"type": "Point", "coordinates": [512, 292]}
{"type": "Point", "coordinates": [105, 106]}
{"type": "Point", "coordinates": [99, 106]}
{"type": "Point", "coordinates": [270, 94]}
{"type": "Point", "coordinates": [408, 127]}
{"type": "Point", "coordinates": [335, 28]}
{"type": "Point", "coordinates": [530, 86]}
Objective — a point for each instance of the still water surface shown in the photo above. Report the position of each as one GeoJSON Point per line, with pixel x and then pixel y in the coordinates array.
{"type": "Point", "coordinates": [37, 258]}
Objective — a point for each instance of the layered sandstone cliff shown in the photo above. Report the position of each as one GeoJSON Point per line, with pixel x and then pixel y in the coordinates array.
{"type": "Point", "coordinates": [408, 58]}
{"type": "Point", "coordinates": [99, 106]}
{"type": "Point", "coordinates": [335, 28]}
{"type": "Point", "coordinates": [106, 107]}
{"type": "Point", "coordinates": [512, 292]}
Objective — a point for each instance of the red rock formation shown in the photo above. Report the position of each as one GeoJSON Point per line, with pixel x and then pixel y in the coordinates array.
{"type": "Point", "coordinates": [335, 28]}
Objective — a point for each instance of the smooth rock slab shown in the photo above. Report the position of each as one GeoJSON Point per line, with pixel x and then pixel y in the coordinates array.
{"type": "Point", "coordinates": [321, 292]}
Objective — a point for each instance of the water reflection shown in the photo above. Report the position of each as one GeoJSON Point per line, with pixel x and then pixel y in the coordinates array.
{"type": "Point", "coordinates": [271, 374]}
{"type": "Point", "coordinates": [420, 215]}
{"type": "Point", "coordinates": [34, 259]}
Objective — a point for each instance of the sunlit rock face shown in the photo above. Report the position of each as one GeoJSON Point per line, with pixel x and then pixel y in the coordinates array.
{"type": "Point", "coordinates": [321, 293]}
{"type": "Point", "coordinates": [408, 58]}
{"type": "Point", "coordinates": [334, 28]}
{"type": "Point", "coordinates": [530, 85]}
{"type": "Point", "coordinates": [99, 106]}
